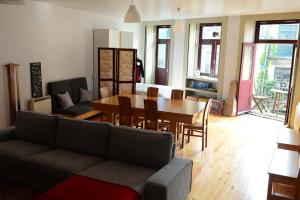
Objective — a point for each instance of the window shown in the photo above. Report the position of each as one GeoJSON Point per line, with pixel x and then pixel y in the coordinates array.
{"type": "Point", "coordinates": [281, 31]}
{"type": "Point", "coordinates": [209, 49]}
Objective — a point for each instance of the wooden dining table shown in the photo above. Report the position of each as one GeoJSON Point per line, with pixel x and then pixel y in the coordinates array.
{"type": "Point", "coordinates": [185, 111]}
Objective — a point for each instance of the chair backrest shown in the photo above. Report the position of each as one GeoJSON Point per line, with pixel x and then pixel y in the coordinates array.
{"type": "Point", "coordinates": [152, 92]}
{"type": "Point", "coordinates": [206, 112]}
{"type": "Point", "coordinates": [104, 92]}
{"type": "Point", "coordinates": [177, 94]}
{"type": "Point", "coordinates": [125, 111]}
{"type": "Point", "coordinates": [151, 114]}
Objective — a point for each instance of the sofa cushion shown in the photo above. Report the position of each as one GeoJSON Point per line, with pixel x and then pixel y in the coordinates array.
{"type": "Point", "coordinates": [56, 165]}
{"type": "Point", "coordinates": [65, 100]}
{"type": "Point", "coordinates": [13, 151]}
{"type": "Point", "coordinates": [83, 136]}
{"type": "Point", "coordinates": [85, 95]}
{"type": "Point", "coordinates": [58, 87]}
{"type": "Point", "coordinates": [132, 176]}
{"type": "Point", "coordinates": [75, 110]}
{"type": "Point", "coordinates": [34, 127]}
{"type": "Point", "coordinates": [142, 147]}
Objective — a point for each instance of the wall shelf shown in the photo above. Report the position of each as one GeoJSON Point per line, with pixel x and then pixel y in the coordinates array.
{"type": "Point", "coordinates": [202, 91]}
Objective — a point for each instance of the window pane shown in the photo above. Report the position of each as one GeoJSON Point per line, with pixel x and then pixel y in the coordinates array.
{"type": "Point", "coordinates": [206, 51]}
{"type": "Point", "coordinates": [247, 63]}
{"type": "Point", "coordinates": [164, 33]}
{"type": "Point", "coordinates": [211, 32]}
{"type": "Point", "coordinates": [162, 56]}
{"type": "Point", "coordinates": [279, 32]}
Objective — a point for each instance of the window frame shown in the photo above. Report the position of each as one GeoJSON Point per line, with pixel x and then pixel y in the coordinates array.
{"type": "Point", "coordinates": [214, 43]}
{"type": "Point", "coordinates": [272, 22]}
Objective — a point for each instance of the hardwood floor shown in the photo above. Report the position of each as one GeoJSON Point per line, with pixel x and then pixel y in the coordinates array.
{"type": "Point", "coordinates": [235, 164]}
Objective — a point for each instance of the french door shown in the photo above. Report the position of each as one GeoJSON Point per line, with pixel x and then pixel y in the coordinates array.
{"type": "Point", "coordinates": [162, 55]}
{"type": "Point", "coordinates": [246, 78]}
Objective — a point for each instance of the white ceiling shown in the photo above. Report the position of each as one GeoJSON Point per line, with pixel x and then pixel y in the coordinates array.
{"type": "Point", "coordinates": [166, 9]}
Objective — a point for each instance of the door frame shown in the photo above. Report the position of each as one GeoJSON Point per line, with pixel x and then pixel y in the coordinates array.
{"type": "Point", "coordinates": [162, 41]}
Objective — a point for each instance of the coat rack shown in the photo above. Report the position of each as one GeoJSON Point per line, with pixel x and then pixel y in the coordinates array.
{"type": "Point", "coordinates": [14, 91]}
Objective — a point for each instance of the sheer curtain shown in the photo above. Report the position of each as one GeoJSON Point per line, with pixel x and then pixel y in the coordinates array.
{"type": "Point", "coordinates": [193, 49]}
{"type": "Point", "coordinates": [150, 54]}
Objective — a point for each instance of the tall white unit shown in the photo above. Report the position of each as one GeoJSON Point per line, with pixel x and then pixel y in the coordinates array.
{"type": "Point", "coordinates": [109, 38]}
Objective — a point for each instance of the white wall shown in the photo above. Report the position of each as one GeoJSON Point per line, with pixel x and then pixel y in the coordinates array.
{"type": "Point", "coordinates": [60, 38]}
{"type": "Point", "coordinates": [177, 70]}
{"type": "Point", "coordinates": [231, 53]}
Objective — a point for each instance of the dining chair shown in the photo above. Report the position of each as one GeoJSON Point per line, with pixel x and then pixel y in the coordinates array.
{"type": "Point", "coordinates": [104, 92]}
{"type": "Point", "coordinates": [152, 121]}
{"type": "Point", "coordinates": [177, 94]}
{"type": "Point", "coordinates": [152, 92]}
{"type": "Point", "coordinates": [126, 117]}
{"type": "Point", "coordinates": [199, 126]}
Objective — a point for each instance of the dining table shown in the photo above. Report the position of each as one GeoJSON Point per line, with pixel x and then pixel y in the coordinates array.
{"type": "Point", "coordinates": [174, 111]}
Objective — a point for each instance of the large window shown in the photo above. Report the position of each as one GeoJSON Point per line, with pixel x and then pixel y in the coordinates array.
{"type": "Point", "coordinates": [279, 31]}
{"type": "Point", "coordinates": [209, 49]}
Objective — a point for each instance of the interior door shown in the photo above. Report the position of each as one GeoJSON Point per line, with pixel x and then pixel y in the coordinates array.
{"type": "Point", "coordinates": [246, 78]}
{"type": "Point", "coordinates": [291, 85]}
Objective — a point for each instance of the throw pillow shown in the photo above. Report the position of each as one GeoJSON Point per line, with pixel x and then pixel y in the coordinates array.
{"type": "Point", "coordinates": [65, 100]}
{"type": "Point", "coordinates": [85, 95]}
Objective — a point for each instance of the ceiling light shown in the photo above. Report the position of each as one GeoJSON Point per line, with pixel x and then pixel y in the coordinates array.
{"type": "Point", "coordinates": [179, 24]}
{"type": "Point", "coordinates": [132, 15]}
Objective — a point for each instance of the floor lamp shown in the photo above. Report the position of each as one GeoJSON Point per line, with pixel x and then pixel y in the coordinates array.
{"type": "Point", "coordinates": [14, 91]}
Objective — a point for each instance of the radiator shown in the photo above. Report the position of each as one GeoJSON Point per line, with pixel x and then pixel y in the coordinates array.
{"type": "Point", "coordinates": [42, 104]}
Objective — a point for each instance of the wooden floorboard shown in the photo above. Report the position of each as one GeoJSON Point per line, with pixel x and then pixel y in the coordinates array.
{"type": "Point", "coordinates": [235, 164]}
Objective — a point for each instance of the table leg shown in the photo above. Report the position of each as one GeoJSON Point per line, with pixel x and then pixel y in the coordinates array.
{"type": "Point", "coordinates": [278, 103]}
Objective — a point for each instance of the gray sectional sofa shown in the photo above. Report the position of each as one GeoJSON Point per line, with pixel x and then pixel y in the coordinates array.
{"type": "Point", "coordinates": [42, 151]}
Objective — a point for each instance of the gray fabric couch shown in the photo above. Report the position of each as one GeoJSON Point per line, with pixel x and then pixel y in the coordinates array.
{"type": "Point", "coordinates": [42, 151]}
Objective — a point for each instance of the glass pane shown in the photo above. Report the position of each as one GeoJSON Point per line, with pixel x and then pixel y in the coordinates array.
{"type": "Point", "coordinates": [164, 33]}
{"type": "Point", "coordinates": [206, 51]}
{"type": "Point", "coordinates": [217, 59]}
{"type": "Point", "coordinates": [247, 63]}
{"type": "Point", "coordinates": [211, 32]}
{"type": "Point", "coordinates": [162, 56]}
{"type": "Point", "coordinates": [279, 32]}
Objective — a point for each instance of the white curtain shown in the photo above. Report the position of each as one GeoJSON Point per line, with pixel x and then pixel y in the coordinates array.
{"type": "Point", "coordinates": [249, 31]}
{"type": "Point", "coordinates": [193, 49]}
{"type": "Point", "coordinates": [150, 54]}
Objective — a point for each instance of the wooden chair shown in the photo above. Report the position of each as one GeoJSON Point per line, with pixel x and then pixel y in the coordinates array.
{"type": "Point", "coordinates": [152, 117]}
{"type": "Point", "coordinates": [104, 92]}
{"type": "Point", "coordinates": [152, 92]}
{"type": "Point", "coordinates": [126, 117]}
{"type": "Point", "coordinates": [177, 94]}
{"type": "Point", "coordinates": [199, 126]}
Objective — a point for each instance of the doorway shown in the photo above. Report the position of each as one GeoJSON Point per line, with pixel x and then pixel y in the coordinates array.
{"type": "Point", "coordinates": [267, 67]}
{"type": "Point", "coordinates": [163, 36]}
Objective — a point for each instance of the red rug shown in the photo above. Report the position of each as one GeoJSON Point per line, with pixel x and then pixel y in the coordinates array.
{"type": "Point", "coordinates": [84, 188]}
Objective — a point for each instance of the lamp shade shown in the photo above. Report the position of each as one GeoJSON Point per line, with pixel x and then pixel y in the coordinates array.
{"type": "Point", "coordinates": [132, 15]}
{"type": "Point", "coordinates": [178, 26]}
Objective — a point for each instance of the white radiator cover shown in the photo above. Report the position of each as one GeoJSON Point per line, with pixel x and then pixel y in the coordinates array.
{"type": "Point", "coordinates": [42, 105]}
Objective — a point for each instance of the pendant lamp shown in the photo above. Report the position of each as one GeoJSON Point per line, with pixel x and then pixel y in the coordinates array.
{"type": "Point", "coordinates": [178, 25]}
{"type": "Point", "coordinates": [132, 15]}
